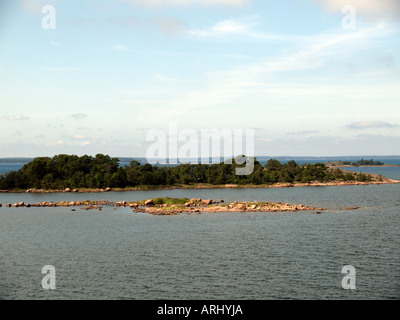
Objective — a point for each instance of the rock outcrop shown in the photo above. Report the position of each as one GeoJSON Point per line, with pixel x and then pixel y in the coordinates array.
{"type": "Point", "coordinates": [149, 203]}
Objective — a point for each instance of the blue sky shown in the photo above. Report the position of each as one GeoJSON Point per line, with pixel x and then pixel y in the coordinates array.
{"type": "Point", "coordinates": [112, 70]}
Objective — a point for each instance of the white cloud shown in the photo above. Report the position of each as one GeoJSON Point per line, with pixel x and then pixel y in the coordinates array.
{"type": "Point", "coordinates": [318, 51]}
{"type": "Point", "coordinates": [260, 78]}
{"type": "Point", "coordinates": [303, 132]}
{"type": "Point", "coordinates": [56, 143]}
{"type": "Point", "coordinates": [222, 28]}
{"type": "Point", "coordinates": [161, 77]}
{"type": "Point", "coordinates": [79, 115]}
{"type": "Point", "coordinates": [232, 27]}
{"type": "Point", "coordinates": [15, 118]}
{"type": "Point", "coordinates": [78, 137]}
{"type": "Point", "coordinates": [371, 124]}
{"type": "Point", "coordinates": [158, 3]}
{"type": "Point", "coordinates": [75, 143]}
{"type": "Point", "coordinates": [264, 139]}
{"type": "Point", "coordinates": [120, 47]}
{"type": "Point", "coordinates": [34, 6]}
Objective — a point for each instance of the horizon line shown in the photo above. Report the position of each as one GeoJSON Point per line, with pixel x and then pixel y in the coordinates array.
{"type": "Point", "coordinates": [258, 156]}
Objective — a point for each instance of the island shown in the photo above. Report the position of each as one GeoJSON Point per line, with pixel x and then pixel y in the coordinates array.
{"type": "Point", "coordinates": [71, 173]}
{"type": "Point", "coordinates": [359, 163]}
{"type": "Point", "coordinates": [172, 206]}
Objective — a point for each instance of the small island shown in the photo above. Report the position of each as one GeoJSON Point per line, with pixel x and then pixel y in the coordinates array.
{"type": "Point", "coordinates": [359, 163]}
{"type": "Point", "coordinates": [71, 173]}
{"type": "Point", "coordinates": [173, 206]}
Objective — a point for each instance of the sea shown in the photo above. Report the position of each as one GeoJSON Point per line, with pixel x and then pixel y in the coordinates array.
{"type": "Point", "coordinates": [117, 254]}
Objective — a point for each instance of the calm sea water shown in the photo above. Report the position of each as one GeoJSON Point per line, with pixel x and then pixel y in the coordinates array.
{"type": "Point", "coordinates": [7, 167]}
{"type": "Point", "coordinates": [117, 254]}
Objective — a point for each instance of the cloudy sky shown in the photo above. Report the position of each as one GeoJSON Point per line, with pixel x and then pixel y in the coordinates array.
{"type": "Point", "coordinates": [295, 71]}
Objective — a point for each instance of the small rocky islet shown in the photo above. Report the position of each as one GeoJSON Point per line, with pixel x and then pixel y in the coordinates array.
{"type": "Point", "coordinates": [174, 206]}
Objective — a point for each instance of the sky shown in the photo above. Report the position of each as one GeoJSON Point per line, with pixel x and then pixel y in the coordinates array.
{"type": "Point", "coordinates": [310, 77]}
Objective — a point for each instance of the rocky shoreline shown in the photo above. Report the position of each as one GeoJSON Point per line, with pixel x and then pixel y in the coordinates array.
{"type": "Point", "coordinates": [276, 185]}
{"type": "Point", "coordinates": [198, 206]}
{"type": "Point", "coordinates": [51, 204]}
{"type": "Point", "coordinates": [195, 206]}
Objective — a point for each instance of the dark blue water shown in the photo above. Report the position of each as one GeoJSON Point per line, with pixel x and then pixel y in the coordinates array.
{"type": "Point", "coordinates": [117, 254]}
{"type": "Point", "coordinates": [7, 167]}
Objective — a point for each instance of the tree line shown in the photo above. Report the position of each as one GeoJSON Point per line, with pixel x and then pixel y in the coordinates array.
{"type": "Point", "coordinates": [101, 171]}
{"type": "Point", "coordinates": [362, 162]}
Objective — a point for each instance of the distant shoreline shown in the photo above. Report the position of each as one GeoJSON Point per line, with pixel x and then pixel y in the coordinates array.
{"type": "Point", "coordinates": [366, 166]}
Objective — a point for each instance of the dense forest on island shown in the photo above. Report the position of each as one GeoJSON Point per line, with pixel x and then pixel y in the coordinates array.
{"type": "Point", "coordinates": [102, 171]}
{"type": "Point", "coordinates": [362, 162]}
